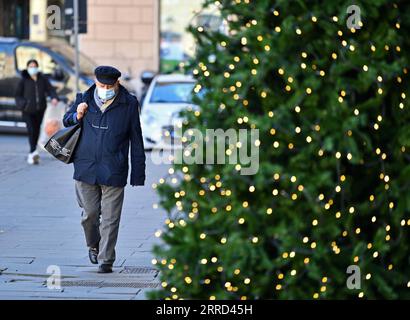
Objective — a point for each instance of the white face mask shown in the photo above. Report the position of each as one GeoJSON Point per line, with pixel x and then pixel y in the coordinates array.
{"type": "Point", "coordinates": [105, 94]}
{"type": "Point", "coordinates": [32, 71]}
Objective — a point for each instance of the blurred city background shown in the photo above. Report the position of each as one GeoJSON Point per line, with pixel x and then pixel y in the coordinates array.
{"type": "Point", "coordinates": [133, 35]}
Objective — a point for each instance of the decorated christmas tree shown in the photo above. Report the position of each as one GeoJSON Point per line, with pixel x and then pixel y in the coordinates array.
{"type": "Point", "coordinates": [328, 93]}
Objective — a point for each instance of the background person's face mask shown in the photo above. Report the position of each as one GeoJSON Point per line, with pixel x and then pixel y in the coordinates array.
{"type": "Point", "coordinates": [105, 94]}
{"type": "Point", "coordinates": [32, 71]}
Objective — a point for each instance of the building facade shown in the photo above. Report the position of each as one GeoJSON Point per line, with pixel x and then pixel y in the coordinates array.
{"type": "Point", "coordinates": [123, 33]}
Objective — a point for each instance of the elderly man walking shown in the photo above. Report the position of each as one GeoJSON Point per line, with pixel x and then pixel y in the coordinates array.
{"type": "Point", "coordinates": [109, 116]}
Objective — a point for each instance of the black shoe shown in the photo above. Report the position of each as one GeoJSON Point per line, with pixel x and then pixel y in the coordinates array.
{"type": "Point", "coordinates": [105, 268]}
{"type": "Point", "coordinates": [93, 254]}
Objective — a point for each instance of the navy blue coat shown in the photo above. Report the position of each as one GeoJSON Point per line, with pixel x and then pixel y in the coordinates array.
{"type": "Point", "coordinates": [101, 155]}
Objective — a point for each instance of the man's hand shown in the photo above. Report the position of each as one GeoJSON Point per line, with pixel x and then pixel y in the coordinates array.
{"type": "Point", "coordinates": [81, 109]}
{"type": "Point", "coordinates": [54, 102]}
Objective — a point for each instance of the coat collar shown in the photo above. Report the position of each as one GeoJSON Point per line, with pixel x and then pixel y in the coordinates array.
{"type": "Point", "coordinates": [120, 99]}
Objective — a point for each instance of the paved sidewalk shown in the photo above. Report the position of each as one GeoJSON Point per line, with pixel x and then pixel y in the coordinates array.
{"type": "Point", "coordinates": [40, 227]}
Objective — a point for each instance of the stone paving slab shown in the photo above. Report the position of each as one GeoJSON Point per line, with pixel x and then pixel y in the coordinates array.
{"type": "Point", "coordinates": [40, 227]}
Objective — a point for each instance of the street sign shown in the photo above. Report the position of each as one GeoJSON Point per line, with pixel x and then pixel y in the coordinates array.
{"type": "Point", "coordinates": [69, 16]}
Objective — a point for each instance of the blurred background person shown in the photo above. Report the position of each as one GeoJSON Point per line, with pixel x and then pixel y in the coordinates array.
{"type": "Point", "coordinates": [31, 98]}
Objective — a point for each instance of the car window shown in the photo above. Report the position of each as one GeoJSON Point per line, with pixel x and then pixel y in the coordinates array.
{"type": "Point", "coordinates": [172, 92]}
{"type": "Point", "coordinates": [46, 63]}
{"type": "Point", "coordinates": [6, 63]}
{"type": "Point", "coordinates": [2, 63]}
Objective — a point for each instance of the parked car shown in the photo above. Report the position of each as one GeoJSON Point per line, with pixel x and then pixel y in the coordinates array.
{"type": "Point", "coordinates": [56, 60]}
{"type": "Point", "coordinates": [146, 78]}
{"type": "Point", "coordinates": [166, 97]}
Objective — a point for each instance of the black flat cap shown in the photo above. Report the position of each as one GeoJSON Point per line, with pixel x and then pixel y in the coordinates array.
{"type": "Point", "coordinates": [106, 74]}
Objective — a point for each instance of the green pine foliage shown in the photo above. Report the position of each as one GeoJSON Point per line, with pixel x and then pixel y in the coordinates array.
{"type": "Point", "coordinates": [332, 189]}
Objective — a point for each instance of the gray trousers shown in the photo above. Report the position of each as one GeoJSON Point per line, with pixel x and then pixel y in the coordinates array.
{"type": "Point", "coordinates": [105, 202]}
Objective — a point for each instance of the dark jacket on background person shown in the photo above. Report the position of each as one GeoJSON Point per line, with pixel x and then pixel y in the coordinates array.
{"type": "Point", "coordinates": [101, 156]}
{"type": "Point", "coordinates": [31, 96]}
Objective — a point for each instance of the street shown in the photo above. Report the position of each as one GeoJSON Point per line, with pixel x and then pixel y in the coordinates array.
{"type": "Point", "coordinates": [41, 234]}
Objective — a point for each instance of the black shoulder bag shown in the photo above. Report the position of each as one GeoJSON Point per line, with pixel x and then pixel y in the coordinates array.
{"type": "Point", "coordinates": [62, 144]}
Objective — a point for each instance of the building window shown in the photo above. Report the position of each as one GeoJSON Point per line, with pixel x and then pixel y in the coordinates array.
{"type": "Point", "coordinates": [24, 53]}
{"type": "Point", "coordinates": [14, 18]}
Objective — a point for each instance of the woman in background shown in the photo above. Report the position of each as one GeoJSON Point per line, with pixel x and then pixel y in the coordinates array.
{"type": "Point", "coordinates": [31, 98]}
